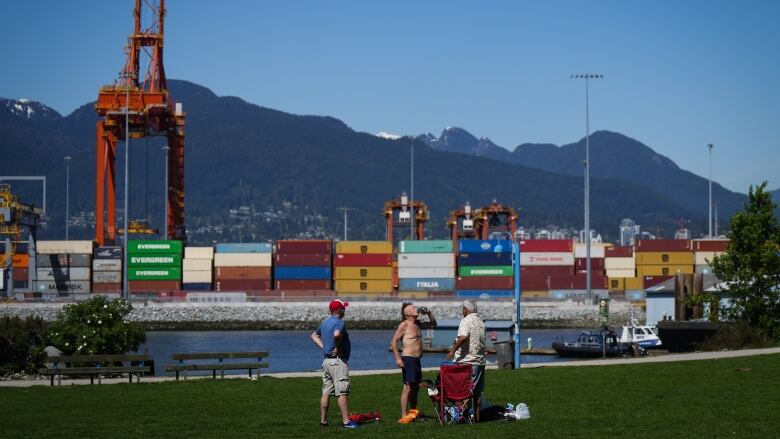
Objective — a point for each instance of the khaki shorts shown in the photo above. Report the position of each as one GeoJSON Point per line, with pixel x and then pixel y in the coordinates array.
{"type": "Point", "coordinates": [335, 377]}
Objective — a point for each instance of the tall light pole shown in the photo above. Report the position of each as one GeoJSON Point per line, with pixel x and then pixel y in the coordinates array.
{"type": "Point", "coordinates": [411, 194]}
{"type": "Point", "coordinates": [709, 222]}
{"type": "Point", "coordinates": [587, 77]}
{"type": "Point", "coordinates": [345, 209]}
{"type": "Point", "coordinates": [67, 197]}
{"type": "Point", "coordinates": [125, 284]}
{"type": "Point", "coordinates": [166, 148]}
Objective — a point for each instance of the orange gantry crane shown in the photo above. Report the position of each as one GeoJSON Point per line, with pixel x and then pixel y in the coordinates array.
{"type": "Point", "coordinates": [461, 224]}
{"type": "Point", "coordinates": [398, 213]}
{"type": "Point", "coordinates": [496, 219]}
{"type": "Point", "coordinates": [143, 107]}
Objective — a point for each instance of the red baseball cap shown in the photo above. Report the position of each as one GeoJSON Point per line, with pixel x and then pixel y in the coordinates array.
{"type": "Point", "coordinates": [337, 304]}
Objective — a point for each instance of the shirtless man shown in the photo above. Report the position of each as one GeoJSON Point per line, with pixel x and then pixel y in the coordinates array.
{"type": "Point", "coordinates": [409, 333]}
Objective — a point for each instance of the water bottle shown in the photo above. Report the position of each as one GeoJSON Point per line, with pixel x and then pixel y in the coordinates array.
{"type": "Point", "coordinates": [522, 412]}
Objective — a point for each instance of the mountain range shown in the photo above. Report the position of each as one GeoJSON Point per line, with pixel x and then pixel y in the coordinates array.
{"type": "Point", "coordinates": [292, 173]}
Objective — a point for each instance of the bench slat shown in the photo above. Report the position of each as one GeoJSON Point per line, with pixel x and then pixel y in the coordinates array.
{"type": "Point", "coordinates": [218, 355]}
{"type": "Point", "coordinates": [215, 366]}
{"type": "Point", "coordinates": [97, 358]}
{"type": "Point", "coordinates": [93, 370]}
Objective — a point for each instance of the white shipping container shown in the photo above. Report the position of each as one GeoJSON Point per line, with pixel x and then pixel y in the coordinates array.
{"type": "Point", "coordinates": [67, 286]}
{"type": "Point", "coordinates": [621, 273]}
{"type": "Point", "coordinates": [54, 247]}
{"type": "Point", "coordinates": [198, 252]}
{"type": "Point", "coordinates": [242, 260]}
{"type": "Point", "coordinates": [703, 269]}
{"type": "Point", "coordinates": [106, 265]}
{"type": "Point", "coordinates": [2, 278]}
{"type": "Point", "coordinates": [196, 277]}
{"type": "Point", "coordinates": [72, 273]}
{"type": "Point", "coordinates": [619, 263]}
{"type": "Point", "coordinates": [596, 250]}
{"type": "Point", "coordinates": [107, 277]}
{"type": "Point", "coordinates": [197, 264]}
{"type": "Point", "coordinates": [426, 272]}
{"type": "Point", "coordinates": [700, 258]}
{"type": "Point", "coordinates": [546, 259]}
{"type": "Point", "coordinates": [426, 260]}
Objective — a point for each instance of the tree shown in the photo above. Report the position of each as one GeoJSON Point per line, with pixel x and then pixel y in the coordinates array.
{"type": "Point", "coordinates": [751, 266]}
{"type": "Point", "coordinates": [96, 326]}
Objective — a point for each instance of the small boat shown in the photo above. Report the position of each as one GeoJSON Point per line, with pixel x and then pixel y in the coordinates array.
{"type": "Point", "coordinates": [590, 344]}
{"type": "Point", "coordinates": [643, 335]}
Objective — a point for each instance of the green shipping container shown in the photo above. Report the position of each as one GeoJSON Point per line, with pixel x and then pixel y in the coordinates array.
{"type": "Point", "coordinates": [431, 246]}
{"type": "Point", "coordinates": [153, 260]}
{"type": "Point", "coordinates": [154, 273]}
{"type": "Point", "coordinates": [155, 247]}
{"type": "Point", "coordinates": [503, 270]}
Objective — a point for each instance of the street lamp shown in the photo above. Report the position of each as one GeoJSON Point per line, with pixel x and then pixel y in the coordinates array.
{"type": "Point", "coordinates": [67, 197]}
{"type": "Point", "coordinates": [587, 77]}
{"type": "Point", "coordinates": [411, 194]}
{"type": "Point", "coordinates": [166, 148]}
{"type": "Point", "coordinates": [709, 222]}
{"type": "Point", "coordinates": [345, 209]}
{"type": "Point", "coordinates": [125, 284]}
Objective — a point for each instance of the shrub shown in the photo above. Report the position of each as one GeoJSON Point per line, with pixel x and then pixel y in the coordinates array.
{"type": "Point", "coordinates": [97, 326]}
{"type": "Point", "coordinates": [21, 344]}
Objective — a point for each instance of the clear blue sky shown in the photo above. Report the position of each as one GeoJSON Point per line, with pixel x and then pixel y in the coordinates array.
{"type": "Point", "coordinates": [678, 74]}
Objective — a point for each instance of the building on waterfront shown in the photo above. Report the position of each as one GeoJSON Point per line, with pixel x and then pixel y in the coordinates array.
{"type": "Point", "coordinates": [595, 237]}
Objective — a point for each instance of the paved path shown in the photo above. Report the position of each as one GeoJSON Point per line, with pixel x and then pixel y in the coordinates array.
{"type": "Point", "coordinates": [653, 359]}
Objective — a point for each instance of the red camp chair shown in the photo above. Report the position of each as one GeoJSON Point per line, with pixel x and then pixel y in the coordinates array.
{"type": "Point", "coordinates": [452, 394]}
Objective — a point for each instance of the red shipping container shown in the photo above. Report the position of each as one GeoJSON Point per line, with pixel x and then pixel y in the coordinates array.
{"type": "Point", "coordinates": [302, 259]}
{"type": "Point", "coordinates": [300, 284]}
{"type": "Point", "coordinates": [562, 282]}
{"type": "Point", "coordinates": [21, 274]}
{"type": "Point", "coordinates": [651, 281]}
{"type": "Point", "coordinates": [592, 272]}
{"type": "Point", "coordinates": [154, 285]}
{"type": "Point", "coordinates": [596, 282]}
{"type": "Point", "coordinates": [241, 273]}
{"type": "Point", "coordinates": [534, 283]}
{"type": "Point", "coordinates": [485, 283]}
{"type": "Point", "coordinates": [619, 252]}
{"type": "Point", "coordinates": [239, 285]}
{"type": "Point", "coordinates": [710, 245]}
{"type": "Point", "coordinates": [546, 270]}
{"type": "Point", "coordinates": [663, 245]}
{"type": "Point", "coordinates": [361, 260]}
{"type": "Point", "coordinates": [20, 260]}
{"type": "Point", "coordinates": [595, 264]}
{"type": "Point", "coordinates": [304, 246]}
{"type": "Point", "coordinates": [547, 246]}
{"type": "Point", "coordinates": [106, 288]}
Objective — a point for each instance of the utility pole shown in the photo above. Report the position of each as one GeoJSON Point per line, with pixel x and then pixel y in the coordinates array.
{"type": "Point", "coordinates": [709, 232]}
{"type": "Point", "coordinates": [166, 148]}
{"type": "Point", "coordinates": [411, 195]}
{"type": "Point", "coordinates": [345, 209]}
{"type": "Point", "coordinates": [125, 284]}
{"type": "Point", "coordinates": [67, 197]}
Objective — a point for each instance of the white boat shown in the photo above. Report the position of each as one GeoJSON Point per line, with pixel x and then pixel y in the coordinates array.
{"type": "Point", "coordinates": [645, 336]}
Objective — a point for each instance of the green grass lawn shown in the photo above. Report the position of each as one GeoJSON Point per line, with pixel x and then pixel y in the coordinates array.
{"type": "Point", "coordinates": [702, 399]}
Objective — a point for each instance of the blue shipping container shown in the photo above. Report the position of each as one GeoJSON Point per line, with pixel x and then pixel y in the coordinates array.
{"type": "Point", "coordinates": [196, 286]}
{"type": "Point", "coordinates": [489, 293]}
{"type": "Point", "coordinates": [426, 284]}
{"type": "Point", "coordinates": [487, 246]}
{"type": "Point", "coordinates": [301, 273]}
{"type": "Point", "coordinates": [247, 247]}
{"type": "Point", "coordinates": [484, 259]}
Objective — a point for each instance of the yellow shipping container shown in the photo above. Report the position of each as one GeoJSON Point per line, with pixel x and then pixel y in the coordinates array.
{"type": "Point", "coordinates": [617, 284]}
{"type": "Point", "coordinates": [534, 294]}
{"type": "Point", "coordinates": [634, 283]}
{"type": "Point", "coordinates": [663, 270]}
{"type": "Point", "coordinates": [413, 295]}
{"type": "Point", "coordinates": [664, 258]}
{"type": "Point", "coordinates": [360, 273]}
{"type": "Point", "coordinates": [364, 286]}
{"type": "Point", "coordinates": [364, 247]}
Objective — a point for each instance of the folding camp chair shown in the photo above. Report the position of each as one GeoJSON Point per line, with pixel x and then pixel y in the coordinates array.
{"type": "Point", "coordinates": [452, 394]}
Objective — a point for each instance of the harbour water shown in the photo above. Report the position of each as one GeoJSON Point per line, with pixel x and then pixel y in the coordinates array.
{"type": "Point", "coordinates": [293, 351]}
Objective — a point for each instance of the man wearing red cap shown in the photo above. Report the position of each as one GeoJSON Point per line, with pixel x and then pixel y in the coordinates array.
{"type": "Point", "coordinates": [333, 339]}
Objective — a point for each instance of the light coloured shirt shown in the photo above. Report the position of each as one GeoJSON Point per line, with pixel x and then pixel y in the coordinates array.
{"type": "Point", "coordinates": [473, 350]}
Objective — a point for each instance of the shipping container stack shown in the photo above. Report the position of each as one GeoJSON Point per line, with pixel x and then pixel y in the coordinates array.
{"type": "Point", "coordinates": [304, 267]}
{"type": "Point", "coordinates": [154, 266]}
{"type": "Point", "coordinates": [705, 251]}
{"type": "Point", "coordinates": [598, 276]}
{"type": "Point", "coordinates": [198, 269]}
{"type": "Point", "coordinates": [426, 268]}
{"type": "Point", "coordinates": [621, 271]}
{"type": "Point", "coordinates": [107, 270]}
{"type": "Point", "coordinates": [21, 275]}
{"type": "Point", "coordinates": [485, 268]}
{"type": "Point", "coordinates": [546, 265]}
{"type": "Point", "coordinates": [370, 270]}
{"type": "Point", "coordinates": [63, 266]}
{"type": "Point", "coordinates": [244, 267]}
{"type": "Point", "coordinates": [657, 260]}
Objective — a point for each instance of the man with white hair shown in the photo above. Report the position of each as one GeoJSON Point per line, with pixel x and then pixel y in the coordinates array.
{"type": "Point", "coordinates": [469, 348]}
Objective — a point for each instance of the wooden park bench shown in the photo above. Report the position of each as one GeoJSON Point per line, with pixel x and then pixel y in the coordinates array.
{"type": "Point", "coordinates": [220, 365]}
{"type": "Point", "coordinates": [96, 365]}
